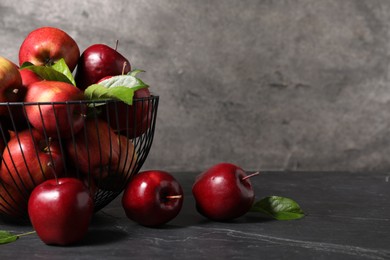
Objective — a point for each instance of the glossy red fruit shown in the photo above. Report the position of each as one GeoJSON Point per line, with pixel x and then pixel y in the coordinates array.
{"type": "Point", "coordinates": [29, 77]}
{"type": "Point", "coordinates": [60, 118]}
{"type": "Point", "coordinates": [130, 120]}
{"type": "Point", "coordinates": [101, 154]}
{"type": "Point", "coordinates": [97, 62]}
{"type": "Point", "coordinates": [29, 159]}
{"type": "Point", "coordinates": [46, 45]}
{"type": "Point", "coordinates": [152, 198]}
{"type": "Point", "coordinates": [223, 192]}
{"type": "Point", "coordinates": [60, 211]}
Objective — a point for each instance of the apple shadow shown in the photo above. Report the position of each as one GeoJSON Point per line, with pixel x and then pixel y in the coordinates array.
{"type": "Point", "coordinates": [96, 237]}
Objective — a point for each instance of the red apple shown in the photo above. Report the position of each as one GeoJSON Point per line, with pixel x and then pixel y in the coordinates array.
{"type": "Point", "coordinates": [11, 88]}
{"type": "Point", "coordinates": [97, 151]}
{"type": "Point", "coordinates": [29, 77]}
{"type": "Point", "coordinates": [152, 198]}
{"type": "Point", "coordinates": [130, 120]}
{"type": "Point", "coordinates": [29, 159]}
{"type": "Point", "coordinates": [60, 211]}
{"type": "Point", "coordinates": [46, 45]}
{"type": "Point", "coordinates": [13, 202]}
{"type": "Point", "coordinates": [97, 62]}
{"type": "Point", "coordinates": [54, 119]}
{"type": "Point", "coordinates": [223, 192]}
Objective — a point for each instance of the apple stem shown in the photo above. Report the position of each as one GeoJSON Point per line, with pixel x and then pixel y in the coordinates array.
{"type": "Point", "coordinates": [250, 175]}
{"type": "Point", "coordinates": [27, 233]}
{"type": "Point", "coordinates": [123, 68]}
{"type": "Point", "coordinates": [174, 196]}
{"type": "Point", "coordinates": [116, 44]}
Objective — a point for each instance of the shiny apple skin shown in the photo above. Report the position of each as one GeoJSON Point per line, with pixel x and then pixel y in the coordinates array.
{"type": "Point", "coordinates": [60, 211]}
{"type": "Point", "coordinates": [221, 193]}
{"type": "Point", "coordinates": [97, 62]}
{"type": "Point", "coordinates": [145, 198]}
{"type": "Point", "coordinates": [46, 45]}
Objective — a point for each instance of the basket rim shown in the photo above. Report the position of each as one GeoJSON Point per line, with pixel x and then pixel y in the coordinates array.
{"type": "Point", "coordinates": [81, 101]}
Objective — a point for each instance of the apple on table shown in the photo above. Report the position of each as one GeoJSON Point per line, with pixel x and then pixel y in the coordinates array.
{"type": "Point", "coordinates": [152, 198]}
{"type": "Point", "coordinates": [223, 192]}
{"type": "Point", "coordinates": [60, 211]}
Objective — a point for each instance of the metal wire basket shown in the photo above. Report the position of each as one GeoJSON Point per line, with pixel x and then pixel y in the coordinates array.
{"type": "Point", "coordinates": [103, 142]}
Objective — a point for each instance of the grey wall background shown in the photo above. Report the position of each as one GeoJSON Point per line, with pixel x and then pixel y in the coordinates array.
{"type": "Point", "coordinates": [287, 84]}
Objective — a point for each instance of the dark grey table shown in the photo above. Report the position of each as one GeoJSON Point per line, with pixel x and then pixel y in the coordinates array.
{"type": "Point", "coordinates": [348, 217]}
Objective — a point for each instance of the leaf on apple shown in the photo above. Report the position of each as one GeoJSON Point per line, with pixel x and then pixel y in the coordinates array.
{"type": "Point", "coordinates": [62, 67]}
{"type": "Point", "coordinates": [56, 72]}
{"type": "Point", "coordinates": [280, 208]}
{"type": "Point", "coordinates": [117, 87]}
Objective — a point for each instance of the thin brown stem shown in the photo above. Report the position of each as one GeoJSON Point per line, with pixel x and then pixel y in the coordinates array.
{"type": "Point", "coordinates": [250, 175]}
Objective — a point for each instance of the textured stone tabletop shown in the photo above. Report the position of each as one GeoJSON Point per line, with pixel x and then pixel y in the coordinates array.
{"type": "Point", "coordinates": [348, 217]}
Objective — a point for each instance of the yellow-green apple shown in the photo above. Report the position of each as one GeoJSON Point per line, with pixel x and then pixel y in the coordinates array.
{"type": "Point", "coordinates": [97, 62]}
{"type": "Point", "coordinates": [29, 159]}
{"type": "Point", "coordinates": [60, 211]}
{"type": "Point", "coordinates": [97, 151]}
{"type": "Point", "coordinates": [46, 45]}
{"type": "Point", "coordinates": [11, 88]}
{"type": "Point", "coordinates": [61, 117]}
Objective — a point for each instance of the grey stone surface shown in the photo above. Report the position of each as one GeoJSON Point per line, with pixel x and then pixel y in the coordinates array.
{"type": "Point", "coordinates": [287, 85]}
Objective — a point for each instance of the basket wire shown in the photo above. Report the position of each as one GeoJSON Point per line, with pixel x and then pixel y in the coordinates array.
{"type": "Point", "coordinates": [124, 136]}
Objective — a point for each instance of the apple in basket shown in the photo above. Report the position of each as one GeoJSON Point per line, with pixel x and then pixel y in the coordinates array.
{"type": "Point", "coordinates": [99, 152]}
{"type": "Point", "coordinates": [13, 202]}
{"type": "Point", "coordinates": [29, 159]}
{"type": "Point", "coordinates": [46, 45]}
{"type": "Point", "coordinates": [11, 88]}
{"type": "Point", "coordinates": [53, 119]}
{"type": "Point", "coordinates": [97, 62]}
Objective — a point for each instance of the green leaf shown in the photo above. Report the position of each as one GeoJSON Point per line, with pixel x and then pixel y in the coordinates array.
{"type": "Point", "coordinates": [117, 87]}
{"type": "Point", "coordinates": [48, 73]}
{"type": "Point", "coordinates": [128, 81]}
{"type": "Point", "coordinates": [135, 72]}
{"type": "Point", "coordinates": [100, 92]}
{"type": "Point", "coordinates": [280, 208]}
{"type": "Point", "coordinates": [63, 68]}
{"type": "Point", "coordinates": [7, 237]}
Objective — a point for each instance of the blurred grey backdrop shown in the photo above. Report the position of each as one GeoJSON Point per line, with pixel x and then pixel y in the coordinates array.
{"type": "Point", "coordinates": [268, 85]}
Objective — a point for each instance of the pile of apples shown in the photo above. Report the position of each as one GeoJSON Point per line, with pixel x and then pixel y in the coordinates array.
{"type": "Point", "coordinates": [56, 132]}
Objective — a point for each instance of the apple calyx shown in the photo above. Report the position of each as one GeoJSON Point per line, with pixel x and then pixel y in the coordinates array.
{"type": "Point", "coordinates": [250, 176]}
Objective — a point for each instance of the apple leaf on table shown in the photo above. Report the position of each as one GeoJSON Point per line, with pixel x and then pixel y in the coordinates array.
{"type": "Point", "coordinates": [7, 237]}
{"type": "Point", "coordinates": [116, 87]}
{"type": "Point", "coordinates": [280, 208]}
{"type": "Point", "coordinates": [57, 72]}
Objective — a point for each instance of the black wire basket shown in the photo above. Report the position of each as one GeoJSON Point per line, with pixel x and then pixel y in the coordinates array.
{"type": "Point", "coordinates": [104, 143]}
